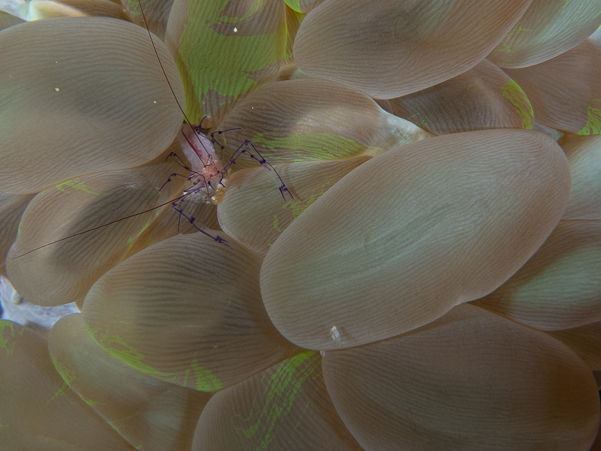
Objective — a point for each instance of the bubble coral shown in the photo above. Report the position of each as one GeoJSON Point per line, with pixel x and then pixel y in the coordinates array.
{"type": "Point", "coordinates": [431, 285]}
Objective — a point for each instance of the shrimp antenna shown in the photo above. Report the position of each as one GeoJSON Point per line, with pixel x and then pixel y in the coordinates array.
{"type": "Point", "coordinates": [101, 226]}
{"type": "Point", "coordinates": [160, 63]}
{"type": "Point", "coordinates": [167, 78]}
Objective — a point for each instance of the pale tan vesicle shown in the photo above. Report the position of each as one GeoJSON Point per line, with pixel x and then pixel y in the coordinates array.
{"type": "Point", "coordinates": [293, 21]}
{"type": "Point", "coordinates": [65, 271]}
{"type": "Point", "coordinates": [38, 410]}
{"type": "Point", "coordinates": [584, 157]}
{"type": "Point", "coordinates": [470, 381]}
{"type": "Point", "coordinates": [390, 48]}
{"type": "Point", "coordinates": [45, 9]}
{"type": "Point", "coordinates": [253, 210]}
{"type": "Point", "coordinates": [413, 232]}
{"type": "Point", "coordinates": [285, 407]}
{"type": "Point", "coordinates": [149, 413]}
{"type": "Point", "coordinates": [11, 209]}
{"type": "Point", "coordinates": [312, 119]}
{"type": "Point", "coordinates": [597, 445]}
{"type": "Point", "coordinates": [187, 310]}
{"type": "Point", "coordinates": [8, 20]}
{"type": "Point", "coordinates": [547, 29]}
{"type": "Point", "coordinates": [559, 288]}
{"type": "Point", "coordinates": [552, 133]}
{"type": "Point", "coordinates": [481, 98]}
{"type": "Point", "coordinates": [585, 341]}
{"type": "Point", "coordinates": [565, 91]}
{"type": "Point", "coordinates": [88, 97]}
{"type": "Point", "coordinates": [305, 6]}
{"type": "Point", "coordinates": [308, 5]}
{"type": "Point", "coordinates": [155, 11]}
{"type": "Point", "coordinates": [48, 9]}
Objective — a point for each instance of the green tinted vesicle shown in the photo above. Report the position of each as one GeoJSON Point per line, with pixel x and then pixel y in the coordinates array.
{"type": "Point", "coordinates": [593, 124]}
{"type": "Point", "coordinates": [115, 346]}
{"type": "Point", "coordinates": [281, 391]}
{"type": "Point", "coordinates": [308, 146]}
{"type": "Point", "coordinates": [8, 335]}
{"type": "Point", "coordinates": [229, 74]}
{"type": "Point", "coordinates": [294, 4]}
{"type": "Point", "coordinates": [516, 95]}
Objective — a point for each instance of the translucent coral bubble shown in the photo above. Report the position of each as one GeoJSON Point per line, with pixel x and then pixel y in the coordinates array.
{"type": "Point", "coordinates": [155, 14]}
{"type": "Point", "coordinates": [224, 50]}
{"type": "Point", "coordinates": [88, 97]}
{"type": "Point", "coordinates": [481, 98]}
{"type": "Point", "coordinates": [11, 209]}
{"type": "Point", "coordinates": [253, 211]}
{"type": "Point", "coordinates": [186, 310]}
{"type": "Point", "coordinates": [403, 238]}
{"type": "Point", "coordinates": [559, 288]}
{"type": "Point", "coordinates": [39, 412]}
{"type": "Point", "coordinates": [293, 21]}
{"type": "Point", "coordinates": [44, 9]}
{"type": "Point", "coordinates": [66, 269]}
{"type": "Point", "coordinates": [469, 381]}
{"type": "Point", "coordinates": [547, 29]}
{"type": "Point", "coordinates": [147, 412]}
{"type": "Point", "coordinates": [303, 6]}
{"type": "Point", "coordinates": [310, 119]}
{"type": "Point", "coordinates": [597, 445]}
{"type": "Point", "coordinates": [389, 48]}
{"type": "Point", "coordinates": [8, 20]}
{"type": "Point", "coordinates": [286, 406]}
{"type": "Point", "coordinates": [565, 91]}
{"type": "Point", "coordinates": [584, 157]}
{"type": "Point", "coordinates": [585, 341]}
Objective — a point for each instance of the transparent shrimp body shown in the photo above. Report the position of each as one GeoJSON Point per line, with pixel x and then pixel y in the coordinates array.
{"type": "Point", "coordinates": [207, 179]}
{"type": "Point", "coordinates": [207, 175]}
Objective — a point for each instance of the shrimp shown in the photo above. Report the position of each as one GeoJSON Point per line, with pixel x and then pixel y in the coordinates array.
{"type": "Point", "coordinates": [206, 180]}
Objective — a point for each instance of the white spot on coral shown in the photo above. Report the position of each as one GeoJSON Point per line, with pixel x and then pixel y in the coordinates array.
{"type": "Point", "coordinates": [335, 334]}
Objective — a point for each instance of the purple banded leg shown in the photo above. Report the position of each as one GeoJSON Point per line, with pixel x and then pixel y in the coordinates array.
{"type": "Point", "coordinates": [255, 155]}
{"type": "Point", "coordinates": [192, 221]}
{"type": "Point", "coordinates": [176, 205]}
{"type": "Point", "coordinates": [179, 160]}
{"type": "Point", "coordinates": [173, 174]}
{"type": "Point", "coordinates": [263, 162]}
{"type": "Point", "coordinates": [214, 140]}
{"type": "Point", "coordinates": [200, 128]}
{"type": "Point", "coordinates": [205, 131]}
